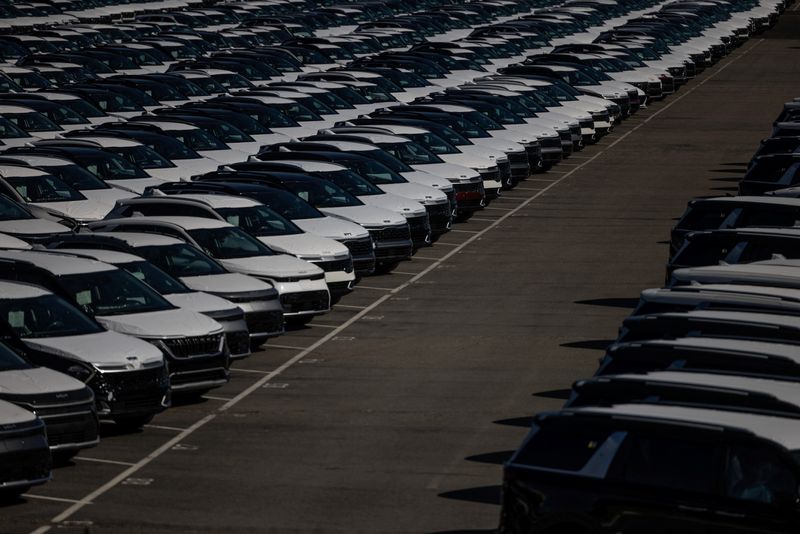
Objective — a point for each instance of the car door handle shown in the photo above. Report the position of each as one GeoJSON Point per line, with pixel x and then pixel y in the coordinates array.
{"type": "Point", "coordinates": [729, 514]}
{"type": "Point", "coordinates": [692, 508]}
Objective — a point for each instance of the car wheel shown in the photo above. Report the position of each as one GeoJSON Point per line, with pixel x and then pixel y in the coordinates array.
{"type": "Point", "coordinates": [131, 423]}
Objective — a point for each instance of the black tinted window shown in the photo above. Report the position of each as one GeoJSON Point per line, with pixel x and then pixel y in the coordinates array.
{"type": "Point", "coordinates": [562, 445]}
{"type": "Point", "coordinates": [758, 474]}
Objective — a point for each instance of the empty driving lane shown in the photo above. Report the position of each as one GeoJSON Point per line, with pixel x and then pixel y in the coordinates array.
{"type": "Point", "coordinates": [398, 422]}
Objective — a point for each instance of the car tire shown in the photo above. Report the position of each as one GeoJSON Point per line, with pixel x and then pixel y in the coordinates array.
{"type": "Point", "coordinates": [63, 457]}
{"type": "Point", "coordinates": [132, 423]}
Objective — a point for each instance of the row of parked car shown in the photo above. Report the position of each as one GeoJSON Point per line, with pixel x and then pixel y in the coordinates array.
{"type": "Point", "coordinates": [177, 187]}
{"type": "Point", "coordinates": [691, 421]}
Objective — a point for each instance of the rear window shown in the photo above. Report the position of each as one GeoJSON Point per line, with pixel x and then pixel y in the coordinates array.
{"type": "Point", "coordinates": [704, 217]}
{"type": "Point", "coordinates": [562, 444]}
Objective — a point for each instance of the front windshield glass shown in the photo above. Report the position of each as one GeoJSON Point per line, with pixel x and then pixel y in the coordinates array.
{"type": "Point", "coordinates": [411, 153]}
{"type": "Point", "coordinates": [43, 188]}
{"type": "Point", "coordinates": [155, 277]}
{"type": "Point", "coordinates": [323, 194]}
{"type": "Point", "coordinates": [299, 112]}
{"type": "Point", "coordinates": [113, 292]}
{"type": "Point", "coordinates": [434, 143]}
{"type": "Point", "coordinates": [181, 260]}
{"type": "Point", "coordinates": [82, 108]}
{"type": "Point", "coordinates": [142, 156]}
{"type": "Point", "coordinates": [259, 221]}
{"type": "Point", "coordinates": [375, 172]}
{"type": "Point", "coordinates": [229, 243]}
{"type": "Point", "coordinates": [390, 161]}
{"type": "Point", "coordinates": [351, 182]}
{"type": "Point", "coordinates": [289, 205]}
{"type": "Point", "coordinates": [198, 139]}
{"type": "Point", "coordinates": [9, 130]}
{"type": "Point", "coordinates": [116, 103]}
{"type": "Point", "coordinates": [270, 117]}
{"type": "Point", "coordinates": [62, 115]}
{"type": "Point", "coordinates": [11, 211]}
{"type": "Point", "coordinates": [77, 177]}
{"type": "Point", "coordinates": [228, 133]}
{"type": "Point", "coordinates": [32, 122]}
{"type": "Point", "coordinates": [44, 316]}
{"type": "Point", "coordinates": [108, 166]}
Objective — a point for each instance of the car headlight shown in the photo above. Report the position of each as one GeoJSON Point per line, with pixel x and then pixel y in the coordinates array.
{"type": "Point", "coordinates": [81, 371]}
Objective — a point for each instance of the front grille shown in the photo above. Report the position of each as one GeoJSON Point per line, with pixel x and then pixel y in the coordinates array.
{"type": "Point", "coordinates": [470, 196]}
{"type": "Point", "coordinates": [575, 131]}
{"type": "Point", "coordinates": [187, 377]}
{"type": "Point", "coordinates": [552, 142]}
{"type": "Point", "coordinates": [131, 391]}
{"type": "Point", "coordinates": [451, 199]}
{"type": "Point", "coordinates": [264, 322]}
{"type": "Point", "coordinates": [345, 265]}
{"type": "Point", "coordinates": [439, 216]}
{"type": "Point", "coordinates": [25, 465]}
{"type": "Point", "coordinates": [490, 175]}
{"type": "Point", "coordinates": [668, 85]}
{"type": "Point", "coordinates": [654, 89]}
{"type": "Point", "coordinates": [565, 136]}
{"type": "Point", "coordinates": [194, 346]}
{"type": "Point", "coordinates": [250, 296]}
{"type": "Point", "coordinates": [601, 116]}
{"type": "Point", "coordinates": [391, 233]}
{"type": "Point", "coordinates": [586, 124]}
{"type": "Point", "coordinates": [69, 429]}
{"type": "Point", "coordinates": [238, 342]}
{"type": "Point", "coordinates": [305, 301]}
{"type": "Point", "coordinates": [505, 171]}
{"type": "Point", "coordinates": [359, 247]}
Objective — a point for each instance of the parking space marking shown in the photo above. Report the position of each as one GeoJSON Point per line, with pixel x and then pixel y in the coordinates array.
{"type": "Point", "coordinates": [323, 325]}
{"type": "Point", "coordinates": [404, 273]}
{"type": "Point", "coordinates": [349, 306]}
{"type": "Point", "coordinates": [102, 461]}
{"type": "Point", "coordinates": [478, 219]}
{"type": "Point", "coordinates": [447, 245]}
{"type": "Point", "coordinates": [375, 288]}
{"type": "Point", "coordinates": [124, 477]}
{"type": "Point", "coordinates": [212, 397]}
{"type": "Point", "coordinates": [276, 346]}
{"type": "Point", "coordinates": [48, 498]}
{"type": "Point", "coordinates": [162, 427]}
{"type": "Point", "coordinates": [426, 258]}
{"type": "Point", "coordinates": [530, 188]}
{"type": "Point", "coordinates": [256, 371]}
{"type": "Point", "coordinates": [494, 208]}
{"type": "Point", "coordinates": [466, 231]}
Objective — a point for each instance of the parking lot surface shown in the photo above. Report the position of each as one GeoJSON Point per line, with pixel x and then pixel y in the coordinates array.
{"type": "Point", "coordinates": [395, 412]}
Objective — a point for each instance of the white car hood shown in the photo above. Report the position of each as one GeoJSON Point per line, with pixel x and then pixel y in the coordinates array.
{"type": "Point", "coordinates": [137, 185]}
{"type": "Point", "coordinates": [306, 245]}
{"type": "Point", "coordinates": [397, 204]}
{"type": "Point", "coordinates": [225, 156]}
{"type": "Point", "coordinates": [32, 227]}
{"type": "Point", "coordinates": [81, 210]}
{"type": "Point", "coordinates": [427, 179]}
{"type": "Point", "coordinates": [295, 132]}
{"type": "Point", "coordinates": [365, 215]}
{"type": "Point", "coordinates": [108, 197]}
{"type": "Point", "coordinates": [279, 266]}
{"type": "Point", "coordinates": [11, 414]}
{"type": "Point", "coordinates": [332, 227]}
{"type": "Point", "coordinates": [496, 143]}
{"type": "Point", "coordinates": [450, 171]}
{"type": "Point", "coordinates": [39, 380]}
{"type": "Point", "coordinates": [102, 348]}
{"type": "Point", "coordinates": [226, 283]}
{"type": "Point", "coordinates": [160, 324]}
{"type": "Point", "coordinates": [420, 193]}
{"type": "Point", "coordinates": [200, 302]}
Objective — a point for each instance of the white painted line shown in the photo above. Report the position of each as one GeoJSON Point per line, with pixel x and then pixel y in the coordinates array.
{"type": "Point", "coordinates": [276, 346]}
{"type": "Point", "coordinates": [467, 231]}
{"type": "Point", "coordinates": [359, 286]}
{"type": "Point", "coordinates": [403, 273]}
{"type": "Point", "coordinates": [262, 382]}
{"type": "Point", "coordinates": [162, 427]}
{"type": "Point", "coordinates": [212, 397]}
{"type": "Point", "coordinates": [530, 188]}
{"type": "Point", "coordinates": [255, 371]}
{"type": "Point", "coordinates": [102, 461]}
{"type": "Point", "coordinates": [349, 306]}
{"type": "Point", "coordinates": [476, 219]}
{"type": "Point", "coordinates": [425, 258]}
{"type": "Point", "coordinates": [447, 245]}
{"type": "Point", "coordinates": [323, 325]}
{"type": "Point", "coordinates": [46, 498]}
{"type": "Point", "coordinates": [493, 208]}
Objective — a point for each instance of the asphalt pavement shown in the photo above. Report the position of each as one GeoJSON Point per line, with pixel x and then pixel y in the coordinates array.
{"type": "Point", "coordinates": [395, 412]}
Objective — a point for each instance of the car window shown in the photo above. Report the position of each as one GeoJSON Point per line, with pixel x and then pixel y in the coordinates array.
{"type": "Point", "coordinates": [756, 473]}
{"type": "Point", "coordinates": [562, 445]}
{"type": "Point", "coordinates": [768, 216]}
{"type": "Point", "coordinates": [668, 462]}
{"type": "Point", "coordinates": [45, 316]}
{"type": "Point", "coordinates": [704, 217]}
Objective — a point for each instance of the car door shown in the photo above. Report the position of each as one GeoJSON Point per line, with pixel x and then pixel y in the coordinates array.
{"type": "Point", "coordinates": [666, 480]}
{"type": "Point", "coordinates": [759, 491]}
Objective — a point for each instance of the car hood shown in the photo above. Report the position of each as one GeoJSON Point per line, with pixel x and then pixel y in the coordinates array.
{"type": "Point", "coordinates": [110, 349]}
{"type": "Point", "coordinates": [450, 171]}
{"type": "Point", "coordinates": [200, 302]}
{"type": "Point", "coordinates": [420, 193]}
{"type": "Point", "coordinates": [136, 185]}
{"type": "Point", "coordinates": [277, 266]}
{"type": "Point", "coordinates": [170, 174]}
{"type": "Point", "coordinates": [226, 284]}
{"type": "Point", "coordinates": [161, 324]}
{"type": "Point", "coordinates": [332, 227]}
{"type": "Point", "coordinates": [496, 143]}
{"type": "Point", "coordinates": [397, 204]}
{"type": "Point", "coordinates": [365, 215]}
{"type": "Point", "coordinates": [225, 157]}
{"type": "Point", "coordinates": [199, 165]}
{"type": "Point", "coordinates": [80, 210]}
{"type": "Point", "coordinates": [31, 227]}
{"type": "Point", "coordinates": [108, 196]}
{"type": "Point", "coordinates": [38, 380]}
{"type": "Point", "coordinates": [308, 245]}
{"type": "Point", "coordinates": [427, 179]}
{"type": "Point", "coordinates": [296, 132]}
{"type": "Point", "coordinates": [11, 414]}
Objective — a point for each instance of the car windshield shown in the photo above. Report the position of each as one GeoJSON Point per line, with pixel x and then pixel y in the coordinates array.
{"type": "Point", "coordinates": [245, 123]}
{"type": "Point", "coordinates": [77, 177]}
{"type": "Point", "coordinates": [350, 182]}
{"type": "Point", "coordinates": [32, 122]}
{"type": "Point", "coordinates": [198, 139]}
{"type": "Point", "coordinates": [411, 153]}
{"type": "Point", "coordinates": [108, 166]}
{"type": "Point", "coordinates": [44, 316]}
{"type": "Point", "coordinates": [483, 121]}
{"type": "Point", "coordinates": [11, 211]}
{"type": "Point", "coordinates": [299, 112]}
{"type": "Point", "coordinates": [112, 292]}
{"type": "Point", "coordinates": [289, 205]}
{"type": "Point", "coordinates": [43, 188]}
{"type": "Point", "coordinates": [554, 92]}
{"type": "Point", "coordinates": [434, 143]}
{"type": "Point", "coordinates": [259, 221]}
{"type": "Point", "coordinates": [228, 133]}
{"type": "Point", "coordinates": [9, 130]}
{"type": "Point", "coordinates": [142, 156]}
{"type": "Point", "coordinates": [155, 277]}
{"type": "Point", "coordinates": [229, 243]}
{"type": "Point", "coordinates": [376, 173]}
{"type": "Point", "coordinates": [323, 194]}
{"type": "Point", "coordinates": [390, 161]}
{"type": "Point", "coordinates": [270, 117]}
{"type": "Point", "coordinates": [116, 103]}
{"type": "Point", "coordinates": [181, 260]}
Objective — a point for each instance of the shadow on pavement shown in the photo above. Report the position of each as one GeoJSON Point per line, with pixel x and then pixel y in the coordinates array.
{"type": "Point", "coordinates": [621, 302]}
{"type": "Point", "coordinates": [499, 457]}
{"type": "Point", "coordinates": [591, 344]}
{"type": "Point", "coordinates": [560, 394]}
{"type": "Point", "coordinates": [482, 494]}
{"type": "Point", "coordinates": [524, 422]}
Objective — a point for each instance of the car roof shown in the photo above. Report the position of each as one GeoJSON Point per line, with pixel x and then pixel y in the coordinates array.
{"type": "Point", "coordinates": [106, 256]}
{"type": "Point", "coordinates": [780, 273]}
{"type": "Point", "coordinates": [140, 239]}
{"type": "Point", "coordinates": [785, 391]}
{"type": "Point", "coordinates": [17, 290]}
{"type": "Point", "coordinates": [187, 223]}
{"type": "Point", "coordinates": [738, 316]}
{"type": "Point", "coordinates": [723, 345]}
{"type": "Point", "coordinates": [58, 264]}
{"type": "Point", "coordinates": [167, 125]}
{"type": "Point", "coordinates": [346, 146]}
{"type": "Point", "coordinates": [215, 201]}
{"type": "Point", "coordinates": [36, 160]}
{"type": "Point", "coordinates": [375, 137]}
{"type": "Point", "coordinates": [769, 200]}
{"type": "Point", "coordinates": [747, 293]}
{"type": "Point", "coordinates": [5, 109]}
{"type": "Point", "coordinates": [307, 165]}
{"type": "Point", "coordinates": [782, 430]}
{"type": "Point", "coordinates": [108, 140]}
